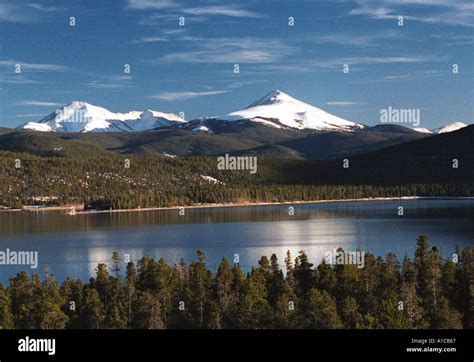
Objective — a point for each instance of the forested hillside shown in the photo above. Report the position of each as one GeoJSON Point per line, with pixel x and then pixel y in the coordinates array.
{"type": "Point", "coordinates": [441, 165]}
{"type": "Point", "coordinates": [105, 182]}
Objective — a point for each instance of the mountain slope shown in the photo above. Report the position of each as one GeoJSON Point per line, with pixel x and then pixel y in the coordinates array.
{"type": "Point", "coordinates": [48, 144]}
{"type": "Point", "coordinates": [228, 137]}
{"type": "Point", "coordinates": [85, 117]}
{"type": "Point", "coordinates": [423, 161]}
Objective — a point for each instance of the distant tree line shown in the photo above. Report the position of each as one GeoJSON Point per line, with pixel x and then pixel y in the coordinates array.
{"type": "Point", "coordinates": [426, 292]}
{"type": "Point", "coordinates": [106, 182]}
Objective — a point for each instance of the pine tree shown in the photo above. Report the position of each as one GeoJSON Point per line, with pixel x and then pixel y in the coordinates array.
{"type": "Point", "coordinates": [412, 309]}
{"type": "Point", "coordinates": [182, 319]}
{"type": "Point", "coordinates": [464, 300]}
{"type": "Point", "coordinates": [275, 281]}
{"type": "Point", "coordinates": [102, 282]}
{"type": "Point", "coordinates": [408, 271]}
{"type": "Point", "coordinates": [71, 291]}
{"type": "Point", "coordinates": [303, 274]}
{"type": "Point", "coordinates": [200, 283]}
{"type": "Point", "coordinates": [289, 270]}
{"type": "Point", "coordinates": [391, 316]}
{"type": "Point", "coordinates": [421, 266]}
{"type": "Point", "coordinates": [49, 307]}
{"type": "Point", "coordinates": [320, 311]}
{"type": "Point", "coordinates": [21, 293]}
{"type": "Point", "coordinates": [147, 312]}
{"type": "Point", "coordinates": [445, 317]}
{"type": "Point", "coordinates": [326, 278]}
{"type": "Point", "coordinates": [350, 313]}
{"type": "Point", "coordinates": [116, 259]}
{"type": "Point", "coordinates": [6, 317]}
{"type": "Point", "coordinates": [388, 278]}
{"type": "Point", "coordinates": [256, 311]}
{"type": "Point", "coordinates": [115, 308]}
{"type": "Point", "coordinates": [130, 288]}
{"type": "Point", "coordinates": [92, 311]}
{"type": "Point", "coordinates": [225, 295]}
{"type": "Point", "coordinates": [348, 281]}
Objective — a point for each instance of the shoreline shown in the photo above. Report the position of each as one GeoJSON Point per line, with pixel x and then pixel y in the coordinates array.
{"type": "Point", "coordinates": [244, 204]}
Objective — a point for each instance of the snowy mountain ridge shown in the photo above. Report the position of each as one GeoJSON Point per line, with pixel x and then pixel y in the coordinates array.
{"type": "Point", "coordinates": [450, 127]}
{"type": "Point", "coordinates": [84, 117]}
{"type": "Point", "coordinates": [276, 109]}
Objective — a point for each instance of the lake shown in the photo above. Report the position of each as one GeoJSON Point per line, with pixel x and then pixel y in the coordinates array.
{"type": "Point", "coordinates": [73, 245]}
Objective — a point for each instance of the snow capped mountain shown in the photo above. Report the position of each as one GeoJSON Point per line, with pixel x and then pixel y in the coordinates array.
{"type": "Point", "coordinates": [278, 109]}
{"type": "Point", "coordinates": [422, 130]}
{"type": "Point", "coordinates": [85, 117]}
{"type": "Point", "coordinates": [450, 127]}
{"type": "Point", "coordinates": [446, 128]}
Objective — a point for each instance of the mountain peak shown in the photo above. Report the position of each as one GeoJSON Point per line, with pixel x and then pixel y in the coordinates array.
{"type": "Point", "coordinates": [275, 96]}
{"type": "Point", "coordinates": [280, 110]}
{"type": "Point", "coordinates": [77, 105]}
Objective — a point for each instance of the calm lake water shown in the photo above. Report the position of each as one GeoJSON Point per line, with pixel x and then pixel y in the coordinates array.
{"type": "Point", "coordinates": [73, 245]}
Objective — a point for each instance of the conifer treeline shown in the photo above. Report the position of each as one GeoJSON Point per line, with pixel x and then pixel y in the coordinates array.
{"type": "Point", "coordinates": [428, 292]}
{"type": "Point", "coordinates": [104, 182]}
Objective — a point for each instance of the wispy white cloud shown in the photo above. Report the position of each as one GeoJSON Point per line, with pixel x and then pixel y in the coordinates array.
{"type": "Point", "coordinates": [170, 10]}
{"type": "Point", "coordinates": [225, 10]}
{"type": "Point", "coordinates": [17, 79]}
{"type": "Point", "coordinates": [356, 64]}
{"type": "Point", "coordinates": [38, 67]}
{"type": "Point", "coordinates": [406, 77]}
{"type": "Point", "coordinates": [397, 77]}
{"type": "Point", "coordinates": [454, 39]}
{"type": "Point", "coordinates": [39, 104]}
{"type": "Point", "coordinates": [110, 82]}
{"type": "Point", "coordinates": [17, 12]}
{"type": "Point", "coordinates": [233, 84]}
{"type": "Point", "coordinates": [159, 18]}
{"type": "Point", "coordinates": [150, 39]}
{"type": "Point", "coordinates": [12, 13]}
{"type": "Point", "coordinates": [44, 8]}
{"type": "Point", "coordinates": [151, 4]}
{"type": "Point", "coordinates": [349, 39]}
{"type": "Point", "coordinates": [29, 115]}
{"type": "Point", "coordinates": [449, 12]}
{"type": "Point", "coordinates": [232, 50]}
{"type": "Point", "coordinates": [345, 103]}
{"type": "Point", "coordinates": [184, 95]}
{"type": "Point", "coordinates": [382, 60]}
{"type": "Point", "coordinates": [230, 10]}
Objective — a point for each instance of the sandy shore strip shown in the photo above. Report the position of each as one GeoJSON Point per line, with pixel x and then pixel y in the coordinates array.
{"type": "Point", "coordinates": [243, 204]}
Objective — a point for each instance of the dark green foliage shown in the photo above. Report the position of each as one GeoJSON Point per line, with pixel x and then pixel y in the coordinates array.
{"type": "Point", "coordinates": [427, 293]}
{"type": "Point", "coordinates": [6, 317]}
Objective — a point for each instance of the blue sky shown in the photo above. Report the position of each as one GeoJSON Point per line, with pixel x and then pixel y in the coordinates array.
{"type": "Point", "coordinates": [190, 68]}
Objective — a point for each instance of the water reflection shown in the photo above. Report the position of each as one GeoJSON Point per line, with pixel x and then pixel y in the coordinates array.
{"type": "Point", "coordinates": [72, 246]}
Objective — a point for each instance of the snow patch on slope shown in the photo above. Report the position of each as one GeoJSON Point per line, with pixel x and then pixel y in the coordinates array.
{"type": "Point", "coordinates": [450, 127]}
{"type": "Point", "coordinates": [422, 130]}
{"type": "Point", "coordinates": [202, 128]}
{"type": "Point", "coordinates": [212, 180]}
